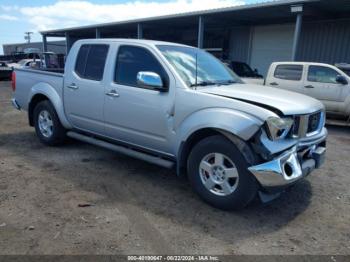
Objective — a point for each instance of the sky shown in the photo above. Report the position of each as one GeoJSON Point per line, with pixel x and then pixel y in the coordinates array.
{"type": "Point", "coordinates": [19, 16]}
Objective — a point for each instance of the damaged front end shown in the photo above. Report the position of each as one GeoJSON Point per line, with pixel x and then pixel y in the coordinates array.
{"type": "Point", "coordinates": [285, 161]}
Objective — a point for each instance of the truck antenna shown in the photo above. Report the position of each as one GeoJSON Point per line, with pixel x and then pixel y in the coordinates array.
{"type": "Point", "coordinates": [196, 81]}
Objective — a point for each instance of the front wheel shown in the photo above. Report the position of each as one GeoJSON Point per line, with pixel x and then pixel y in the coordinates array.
{"type": "Point", "coordinates": [47, 124]}
{"type": "Point", "coordinates": [218, 173]}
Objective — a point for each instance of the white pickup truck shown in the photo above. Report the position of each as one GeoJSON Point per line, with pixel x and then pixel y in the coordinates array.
{"type": "Point", "coordinates": [177, 106]}
{"type": "Point", "coordinates": [327, 83]}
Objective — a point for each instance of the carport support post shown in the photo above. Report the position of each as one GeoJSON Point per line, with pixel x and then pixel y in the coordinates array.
{"type": "Point", "coordinates": [98, 33]}
{"type": "Point", "coordinates": [298, 10]}
{"type": "Point", "coordinates": [200, 32]}
{"type": "Point", "coordinates": [45, 50]}
{"type": "Point", "coordinates": [68, 43]}
{"type": "Point", "coordinates": [44, 43]}
{"type": "Point", "coordinates": [139, 31]}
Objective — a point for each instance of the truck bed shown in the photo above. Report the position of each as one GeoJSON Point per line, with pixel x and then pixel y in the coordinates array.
{"type": "Point", "coordinates": [28, 80]}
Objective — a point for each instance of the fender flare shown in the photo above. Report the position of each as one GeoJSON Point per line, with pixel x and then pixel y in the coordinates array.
{"type": "Point", "coordinates": [237, 126]}
{"type": "Point", "coordinates": [53, 96]}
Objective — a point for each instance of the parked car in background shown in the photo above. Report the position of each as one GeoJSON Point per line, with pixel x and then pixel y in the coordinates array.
{"type": "Point", "coordinates": [245, 72]}
{"type": "Point", "coordinates": [49, 58]}
{"type": "Point", "coordinates": [177, 106]}
{"type": "Point", "coordinates": [327, 83]}
{"type": "Point", "coordinates": [5, 71]}
{"type": "Point", "coordinates": [344, 67]}
{"type": "Point", "coordinates": [24, 63]}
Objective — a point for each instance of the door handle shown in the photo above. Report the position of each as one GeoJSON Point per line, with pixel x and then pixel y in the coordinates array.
{"type": "Point", "coordinates": [112, 93]}
{"type": "Point", "coordinates": [73, 86]}
{"type": "Point", "coordinates": [309, 86]}
{"type": "Point", "coordinates": [273, 84]}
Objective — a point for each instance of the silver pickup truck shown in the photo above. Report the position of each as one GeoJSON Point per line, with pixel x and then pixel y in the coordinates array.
{"type": "Point", "coordinates": [178, 107]}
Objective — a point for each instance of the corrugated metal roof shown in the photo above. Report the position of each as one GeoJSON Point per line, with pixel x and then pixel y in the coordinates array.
{"type": "Point", "coordinates": [188, 14]}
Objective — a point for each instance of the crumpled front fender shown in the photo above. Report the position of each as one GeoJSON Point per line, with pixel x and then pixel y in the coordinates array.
{"type": "Point", "coordinates": [237, 123]}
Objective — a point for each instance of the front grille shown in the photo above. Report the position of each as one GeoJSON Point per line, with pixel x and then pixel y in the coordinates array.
{"type": "Point", "coordinates": [306, 125]}
{"type": "Point", "coordinates": [295, 128]}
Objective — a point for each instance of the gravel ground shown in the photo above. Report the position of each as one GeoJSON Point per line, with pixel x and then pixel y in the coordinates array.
{"type": "Point", "coordinates": [138, 208]}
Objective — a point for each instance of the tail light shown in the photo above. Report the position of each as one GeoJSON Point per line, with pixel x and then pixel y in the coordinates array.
{"type": "Point", "coordinates": [13, 81]}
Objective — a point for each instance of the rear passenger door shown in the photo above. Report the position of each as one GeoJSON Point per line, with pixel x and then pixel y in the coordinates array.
{"type": "Point", "coordinates": [287, 76]}
{"type": "Point", "coordinates": [84, 88]}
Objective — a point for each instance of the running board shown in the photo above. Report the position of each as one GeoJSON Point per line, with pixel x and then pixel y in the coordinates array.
{"type": "Point", "coordinates": [123, 150]}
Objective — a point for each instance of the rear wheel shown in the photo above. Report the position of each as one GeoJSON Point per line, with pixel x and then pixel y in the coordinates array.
{"type": "Point", "coordinates": [47, 124]}
{"type": "Point", "coordinates": [218, 173]}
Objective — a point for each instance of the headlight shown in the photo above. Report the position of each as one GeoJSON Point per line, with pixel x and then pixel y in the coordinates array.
{"type": "Point", "coordinates": [278, 128]}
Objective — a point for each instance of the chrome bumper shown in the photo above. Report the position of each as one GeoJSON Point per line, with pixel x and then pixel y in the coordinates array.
{"type": "Point", "coordinates": [15, 104]}
{"type": "Point", "coordinates": [291, 165]}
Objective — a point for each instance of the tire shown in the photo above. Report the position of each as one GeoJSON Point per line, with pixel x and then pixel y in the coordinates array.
{"type": "Point", "coordinates": [51, 132]}
{"type": "Point", "coordinates": [217, 163]}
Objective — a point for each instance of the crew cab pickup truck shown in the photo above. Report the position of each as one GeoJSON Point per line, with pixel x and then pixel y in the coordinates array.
{"type": "Point", "coordinates": [178, 107]}
{"type": "Point", "coordinates": [327, 83]}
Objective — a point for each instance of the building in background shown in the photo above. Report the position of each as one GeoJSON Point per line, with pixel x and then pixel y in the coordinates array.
{"type": "Point", "coordinates": [258, 34]}
{"type": "Point", "coordinates": [58, 47]}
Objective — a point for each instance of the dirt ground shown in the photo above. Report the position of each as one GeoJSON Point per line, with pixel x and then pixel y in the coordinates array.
{"type": "Point", "coordinates": [138, 208]}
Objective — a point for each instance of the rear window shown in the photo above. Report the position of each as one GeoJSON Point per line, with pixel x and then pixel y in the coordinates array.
{"type": "Point", "coordinates": [91, 61]}
{"type": "Point", "coordinates": [289, 72]}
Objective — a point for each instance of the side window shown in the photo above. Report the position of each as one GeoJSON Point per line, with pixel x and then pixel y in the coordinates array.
{"type": "Point", "coordinates": [91, 61]}
{"type": "Point", "coordinates": [81, 60]}
{"type": "Point", "coordinates": [322, 74]}
{"type": "Point", "coordinates": [289, 72]}
{"type": "Point", "coordinates": [131, 60]}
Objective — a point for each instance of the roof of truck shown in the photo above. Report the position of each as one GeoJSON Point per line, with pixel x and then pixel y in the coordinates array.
{"type": "Point", "coordinates": [130, 41]}
{"type": "Point", "coordinates": [301, 63]}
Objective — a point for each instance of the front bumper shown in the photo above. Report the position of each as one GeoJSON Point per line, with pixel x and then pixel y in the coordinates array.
{"type": "Point", "coordinates": [293, 164]}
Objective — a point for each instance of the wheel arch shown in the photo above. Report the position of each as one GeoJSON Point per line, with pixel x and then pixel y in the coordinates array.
{"type": "Point", "coordinates": [235, 125]}
{"type": "Point", "coordinates": [41, 92]}
{"type": "Point", "coordinates": [36, 99]}
{"type": "Point", "coordinates": [187, 145]}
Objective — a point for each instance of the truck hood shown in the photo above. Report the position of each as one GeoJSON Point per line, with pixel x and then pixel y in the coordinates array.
{"type": "Point", "coordinates": [285, 102]}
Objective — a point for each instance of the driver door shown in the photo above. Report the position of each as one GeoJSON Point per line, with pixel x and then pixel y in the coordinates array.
{"type": "Point", "coordinates": [137, 115]}
{"type": "Point", "coordinates": [321, 84]}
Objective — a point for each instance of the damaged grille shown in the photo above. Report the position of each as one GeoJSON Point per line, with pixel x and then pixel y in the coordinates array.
{"type": "Point", "coordinates": [307, 125]}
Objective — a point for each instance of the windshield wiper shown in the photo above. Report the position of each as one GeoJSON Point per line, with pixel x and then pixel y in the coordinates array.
{"type": "Point", "coordinates": [204, 83]}
{"type": "Point", "coordinates": [226, 82]}
{"type": "Point", "coordinates": [212, 83]}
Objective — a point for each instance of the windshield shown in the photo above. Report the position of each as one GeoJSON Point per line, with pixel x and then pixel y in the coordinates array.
{"type": "Point", "coordinates": [197, 67]}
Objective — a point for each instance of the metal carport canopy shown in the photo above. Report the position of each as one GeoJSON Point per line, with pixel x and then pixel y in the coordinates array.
{"type": "Point", "coordinates": [262, 13]}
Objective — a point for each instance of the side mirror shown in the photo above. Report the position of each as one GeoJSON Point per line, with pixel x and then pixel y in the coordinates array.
{"type": "Point", "coordinates": [256, 71]}
{"type": "Point", "coordinates": [150, 80]}
{"type": "Point", "coordinates": [341, 80]}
